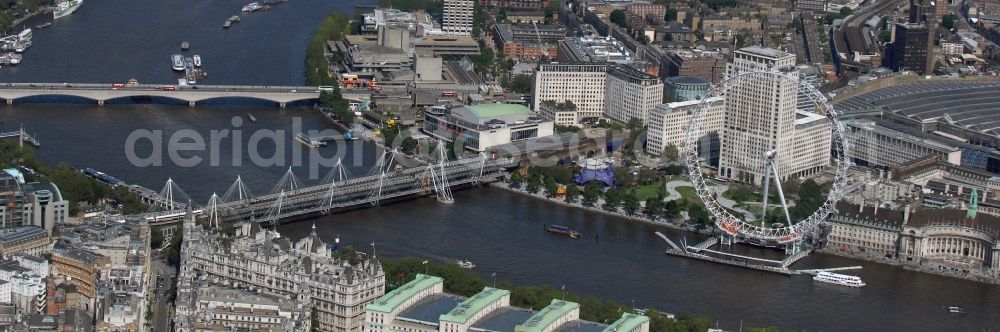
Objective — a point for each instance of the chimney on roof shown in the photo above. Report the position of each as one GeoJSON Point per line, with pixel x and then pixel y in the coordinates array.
{"type": "Point", "coordinates": [861, 207]}
{"type": "Point", "coordinates": [906, 214]}
{"type": "Point", "coordinates": [875, 214]}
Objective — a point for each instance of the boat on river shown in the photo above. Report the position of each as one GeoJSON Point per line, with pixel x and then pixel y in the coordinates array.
{"type": "Point", "coordinates": [839, 279]}
{"type": "Point", "coordinates": [562, 230]}
{"type": "Point", "coordinates": [252, 7]}
{"type": "Point", "coordinates": [177, 62]}
{"type": "Point", "coordinates": [65, 8]}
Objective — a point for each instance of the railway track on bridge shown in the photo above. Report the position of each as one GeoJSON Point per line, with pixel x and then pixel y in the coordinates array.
{"type": "Point", "coordinates": [392, 184]}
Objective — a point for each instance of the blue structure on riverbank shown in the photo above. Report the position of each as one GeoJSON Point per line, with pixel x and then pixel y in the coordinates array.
{"type": "Point", "coordinates": [595, 170]}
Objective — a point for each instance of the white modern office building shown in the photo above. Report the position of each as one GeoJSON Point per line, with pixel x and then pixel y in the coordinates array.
{"type": "Point", "coordinates": [761, 117]}
{"type": "Point", "coordinates": [668, 124]}
{"type": "Point", "coordinates": [583, 84]}
{"type": "Point", "coordinates": [631, 94]}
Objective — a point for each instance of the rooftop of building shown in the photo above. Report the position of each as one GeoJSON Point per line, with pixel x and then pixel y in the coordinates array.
{"type": "Point", "coordinates": [492, 111]}
{"type": "Point", "coordinates": [503, 319]}
{"type": "Point", "coordinates": [906, 133]}
{"type": "Point", "coordinates": [970, 105]}
{"type": "Point", "coordinates": [76, 254]}
{"type": "Point", "coordinates": [221, 294]}
{"type": "Point", "coordinates": [869, 213]}
{"type": "Point", "coordinates": [582, 326]}
{"type": "Point", "coordinates": [598, 49]}
{"type": "Point", "coordinates": [490, 115]}
{"type": "Point", "coordinates": [391, 300]}
{"type": "Point", "coordinates": [525, 13]}
{"type": "Point", "coordinates": [628, 322]}
{"type": "Point", "coordinates": [34, 187]}
{"type": "Point", "coordinates": [543, 319]}
{"type": "Point", "coordinates": [765, 51]}
{"type": "Point", "coordinates": [432, 41]}
{"type": "Point", "coordinates": [431, 308]}
{"type": "Point", "coordinates": [687, 80]}
{"type": "Point", "coordinates": [803, 118]}
{"type": "Point", "coordinates": [686, 105]}
{"type": "Point", "coordinates": [22, 234]}
{"type": "Point", "coordinates": [470, 306]}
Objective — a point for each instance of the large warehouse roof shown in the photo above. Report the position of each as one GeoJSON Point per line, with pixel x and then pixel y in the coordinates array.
{"type": "Point", "coordinates": [974, 106]}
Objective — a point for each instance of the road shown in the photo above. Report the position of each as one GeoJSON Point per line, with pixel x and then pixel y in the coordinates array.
{"type": "Point", "coordinates": [161, 309]}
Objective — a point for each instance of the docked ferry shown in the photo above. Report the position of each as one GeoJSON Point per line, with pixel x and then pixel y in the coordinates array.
{"type": "Point", "coordinates": [177, 62]}
{"type": "Point", "coordinates": [839, 279]}
{"type": "Point", "coordinates": [65, 8]}
{"type": "Point", "coordinates": [253, 6]}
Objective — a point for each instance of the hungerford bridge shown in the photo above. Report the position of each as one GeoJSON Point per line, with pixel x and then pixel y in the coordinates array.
{"type": "Point", "coordinates": [388, 182]}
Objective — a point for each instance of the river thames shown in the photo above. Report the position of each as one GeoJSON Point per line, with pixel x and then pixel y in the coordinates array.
{"type": "Point", "coordinates": [499, 231]}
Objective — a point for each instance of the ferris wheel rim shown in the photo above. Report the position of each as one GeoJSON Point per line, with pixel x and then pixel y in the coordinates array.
{"type": "Point", "coordinates": [734, 225]}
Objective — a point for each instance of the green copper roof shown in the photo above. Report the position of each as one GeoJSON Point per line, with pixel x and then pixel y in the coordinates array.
{"type": "Point", "coordinates": [547, 316]}
{"type": "Point", "coordinates": [465, 310]}
{"type": "Point", "coordinates": [628, 322]}
{"type": "Point", "coordinates": [484, 111]}
{"type": "Point", "coordinates": [388, 302]}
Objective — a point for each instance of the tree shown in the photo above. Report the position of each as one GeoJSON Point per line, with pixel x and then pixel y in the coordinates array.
{"type": "Point", "coordinates": [173, 254]}
{"type": "Point", "coordinates": [654, 207]}
{"type": "Point", "coordinates": [551, 186]}
{"type": "Point", "coordinates": [571, 192]}
{"type": "Point", "coordinates": [534, 183]}
{"type": "Point", "coordinates": [155, 238]}
{"type": "Point", "coordinates": [516, 179]}
{"type": "Point", "coordinates": [830, 17]}
{"type": "Point", "coordinates": [409, 145]}
{"type": "Point", "coordinates": [554, 7]}
{"type": "Point", "coordinates": [846, 11]}
{"type": "Point", "coordinates": [647, 176]}
{"type": "Point", "coordinates": [741, 40]}
{"type": "Point", "coordinates": [670, 152]}
{"type": "Point", "coordinates": [613, 199]}
{"type": "Point", "coordinates": [592, 192]}
{"type": "Point", "coordinates": [698, 214]}
{"type": "Point", "coordinates": [630, 202]}
{"type": "Point", "coordinates": [560, 174]}
{"type": "Point", "coordinates": [671, 209]}
{"type": "Point", "coordinates": [671, 14]}
{"type": "Point", "coordinates": [521, 83]}
{"type": "Point", "coordinates": [674, 170]}
{"type": "Point", "coordinates": [623, 177]}
{"type": "Point", "coordinates": [618, 17]}
{"type": "Point", "coordinates": [314, 320]}
{"type": "Point", "coordinates": [948, 21]}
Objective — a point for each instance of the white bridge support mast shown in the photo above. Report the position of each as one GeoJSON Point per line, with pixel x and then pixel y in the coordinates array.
{"type": "Point", "coordinates": [441, 187]}
{"type": "Point", "coordinates": [336, 176]}
{"type": "Point", "coordinates": [212, 211]}
{"type": "Point", "coordinates": [482, 168]}
{"type": "Point", "coordinates": [384, 166]}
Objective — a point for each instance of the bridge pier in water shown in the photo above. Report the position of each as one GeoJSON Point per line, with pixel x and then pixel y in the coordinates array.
{"type": "Point", "coordinates": [191, 104]}
{"type": "Point", "coordinates": [10, 102]}
{"type": "Point", "coordinates": [100, 103]}
{"type": "Point", "coordinates": [282, 105]}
